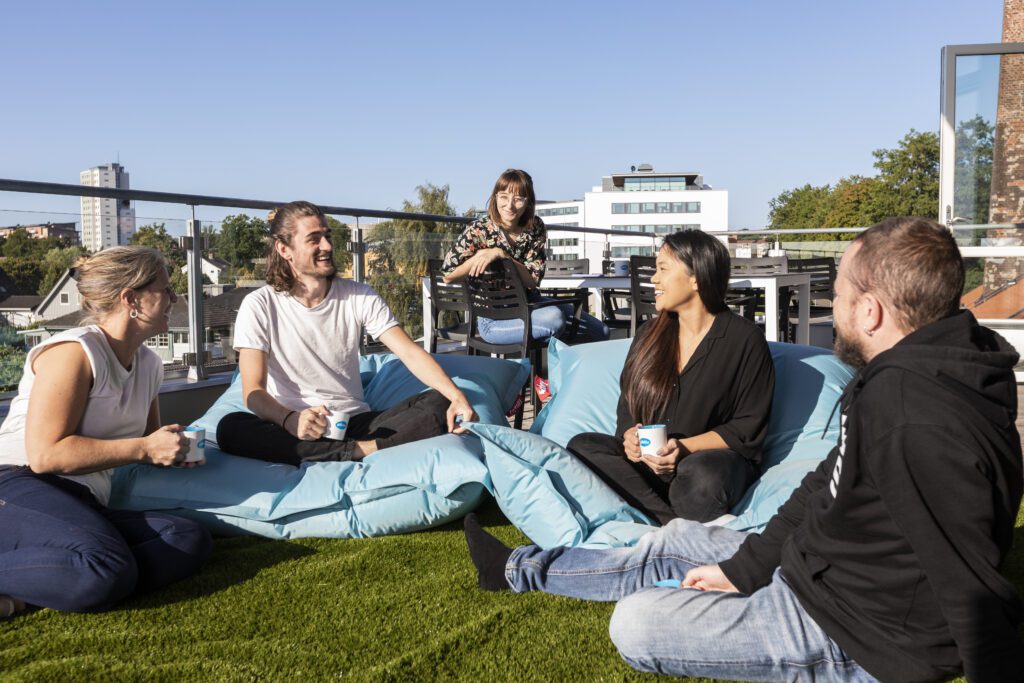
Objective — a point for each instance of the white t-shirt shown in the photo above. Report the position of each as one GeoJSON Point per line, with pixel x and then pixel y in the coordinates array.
{"type": "Point", "coordinates": [117, 408]}
{"type": "Point", "coordinates": [313, 353]}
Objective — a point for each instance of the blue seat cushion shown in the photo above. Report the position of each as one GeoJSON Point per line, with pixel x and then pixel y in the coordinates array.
{"type": "Point", "coordinates": [808, 383]}
{"type": "Point", "coordinates": [552, 497]}
{"type": "Point", "coordinates": [398, 489]}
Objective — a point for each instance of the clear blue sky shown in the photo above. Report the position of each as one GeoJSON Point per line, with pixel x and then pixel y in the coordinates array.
{"type": "Point", "coordinates": [356, 103]}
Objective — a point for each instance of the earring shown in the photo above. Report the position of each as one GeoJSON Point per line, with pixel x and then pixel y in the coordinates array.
{"type": "Point", "coordinates": [134, 314]}
{"type": "Point", "coordinates": [870, 333]}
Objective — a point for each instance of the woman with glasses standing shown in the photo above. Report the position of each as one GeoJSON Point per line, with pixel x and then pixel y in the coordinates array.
{"type": "Point", "coordinates": [512, 230]}
{"type": "Point", "coordinates": [87, 403]}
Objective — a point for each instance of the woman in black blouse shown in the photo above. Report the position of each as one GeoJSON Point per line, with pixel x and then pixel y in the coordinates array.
{"type": "Point", "coordinates": [512, 230]}
{"type": "Point", "coordinates": [707, 375]}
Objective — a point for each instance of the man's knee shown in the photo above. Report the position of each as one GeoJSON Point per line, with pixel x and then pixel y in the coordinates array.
{"type": "Point", "coordinates": [637, 621]}
{"type": "Point", "coordinates": [231, 428]}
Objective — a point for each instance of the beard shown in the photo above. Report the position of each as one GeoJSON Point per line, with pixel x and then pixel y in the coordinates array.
{"type": "Point", "coordinates": [849, 350]}
{"type": "Point", "coordinates": [319, 269]}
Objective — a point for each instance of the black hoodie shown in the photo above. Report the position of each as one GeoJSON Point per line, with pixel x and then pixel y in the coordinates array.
{"type": "Point", "coordinates": [892, 545]}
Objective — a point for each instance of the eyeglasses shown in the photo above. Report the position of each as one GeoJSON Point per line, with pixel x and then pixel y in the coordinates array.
{"type": "Point", "coordinates": [515, 199]}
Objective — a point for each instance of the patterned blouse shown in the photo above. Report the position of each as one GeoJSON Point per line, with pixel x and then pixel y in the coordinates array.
{"type": "Point", "coordinates": [528, 249]}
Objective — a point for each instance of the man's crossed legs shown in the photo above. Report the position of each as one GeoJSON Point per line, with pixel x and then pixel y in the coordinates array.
{"type": "Point", "coordinates": [684, 632]}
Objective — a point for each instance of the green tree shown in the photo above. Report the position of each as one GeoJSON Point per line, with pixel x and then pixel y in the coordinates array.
{"type": "Point", "coordinates": [12, 364]}
{"type": "Point", "coordinates": [24, 273]}
{"type": "Point", "coordinates": [972, 181]}
{"type": "Point", "coordinates": [909, 177]}
{"type": "Point", "coordinates": [907, 184]}
{"type": "Point", "coordinates": [20, 244]}
{"type": "Point", "coordinates": [241, 239]}
{"type": "Point", "coordinates": [799, 209]}
{"type": "Point", "coordinates": [341, 234]}
{"type": "Point", "coordinates": [851, 205]}
{"type": "Point", "coordinates": [54, 263]}
{"type": "Point", "coordinates": [399, 251]}
{"type": "Point", "coordinates": [155, 235]}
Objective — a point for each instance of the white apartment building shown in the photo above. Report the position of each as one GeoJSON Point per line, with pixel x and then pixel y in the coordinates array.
{"type": "Point", "coordinates": [649, 203]}
{"type": "Point", "coordinates": [106, 222]}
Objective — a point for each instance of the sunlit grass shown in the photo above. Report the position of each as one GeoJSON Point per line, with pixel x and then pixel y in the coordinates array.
{"type": "Point", "coordinates": [396, 608]}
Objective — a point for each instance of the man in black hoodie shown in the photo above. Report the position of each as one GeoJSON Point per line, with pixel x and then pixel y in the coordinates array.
{"type": "Point", "coordinates": [885, 561]}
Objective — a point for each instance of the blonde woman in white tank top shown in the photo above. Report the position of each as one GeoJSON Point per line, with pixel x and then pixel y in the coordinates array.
{"type": "Point", "coordinates": [87, 403]}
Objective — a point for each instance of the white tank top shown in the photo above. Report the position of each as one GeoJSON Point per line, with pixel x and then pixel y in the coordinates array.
{"type": "Point", "coordinates": [117, 407]}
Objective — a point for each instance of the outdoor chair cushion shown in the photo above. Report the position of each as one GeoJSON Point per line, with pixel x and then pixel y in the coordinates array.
{"type": "Point", "coordinates": [398, 489]}
{"type": "Point", "coordinates": [808, 383]}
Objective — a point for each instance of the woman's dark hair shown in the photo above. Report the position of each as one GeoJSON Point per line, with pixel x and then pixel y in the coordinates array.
{"type": "Point", "coordinates": [653, 364]}
{"type": "Point", "coordinates": [282, 222]}
{"type": "Point", "coordinates": [517, 182]}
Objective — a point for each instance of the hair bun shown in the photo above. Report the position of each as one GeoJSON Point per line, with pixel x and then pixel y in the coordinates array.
{"type": "Point", "coordinates": [271, 215]}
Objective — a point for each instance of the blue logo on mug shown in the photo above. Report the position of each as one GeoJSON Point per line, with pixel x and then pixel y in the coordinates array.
{"type": "Point", "coordinates": [201, 443]}
{"type": "Point", "coordinates": [341, 424]}
{"type": "Point", "coordinates": [644, 441]}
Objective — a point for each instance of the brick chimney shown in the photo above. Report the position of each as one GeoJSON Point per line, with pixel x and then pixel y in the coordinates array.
{"type": "Point", "coordinates": [1007, 203]}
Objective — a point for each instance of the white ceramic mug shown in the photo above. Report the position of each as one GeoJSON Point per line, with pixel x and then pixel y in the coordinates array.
{"type": "Point", "coordinates": [620, 267]}
{"type": "Point", "coordinates": [337, 425]}
{"type": "Point", "coordinates": [652, 438]}
{"type": "Point", "coordinates": [196, 444]}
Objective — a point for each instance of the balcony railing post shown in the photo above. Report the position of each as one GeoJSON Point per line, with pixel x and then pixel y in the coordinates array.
{"type": "Point", "coordinates": [358, 249]}
{"type": "Point", "coordinates": [196, 331]}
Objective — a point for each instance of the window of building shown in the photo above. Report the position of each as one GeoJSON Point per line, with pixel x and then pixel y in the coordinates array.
{"type": "Point", "coordinates": [564, 242]}
{"type": "Point", "coordinates": [65, 298]}
{"type": "Point", "coordinates": [564, 257]}
{"type": "Point", "coordinates": [625, 252]}
{"type": "Point", "coordinates": [658, 184]}
{"type": "Point", "coordinates": [160, 341]}
{"type": "Point", "coordinates": [667, 229]}
{"type": "Point", "coordinates": [656, 207]}
{"type": "Point", "coordinates": [558, 211]}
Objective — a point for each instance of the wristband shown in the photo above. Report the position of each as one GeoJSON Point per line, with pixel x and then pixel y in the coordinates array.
{"type": "Point", "coordinates": [284, 422]}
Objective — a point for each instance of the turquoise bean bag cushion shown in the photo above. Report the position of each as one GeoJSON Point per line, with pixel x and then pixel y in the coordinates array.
{"type": "Point", "coordinates": [400, 489]}
{"type": "Point", "coordinates": [808, 383]}
{"type": "Point", "coordinates": [552, 497]}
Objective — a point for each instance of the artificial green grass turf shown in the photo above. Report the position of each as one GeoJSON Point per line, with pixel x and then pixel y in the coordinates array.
{"type": "Point", "coordinates": [396, 608]}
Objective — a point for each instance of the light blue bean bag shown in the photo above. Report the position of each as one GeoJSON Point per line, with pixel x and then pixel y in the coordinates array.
{"type": "Point", "coordinates": [399, 489]}
{"type": "Point", "coordinates": [808, 383]}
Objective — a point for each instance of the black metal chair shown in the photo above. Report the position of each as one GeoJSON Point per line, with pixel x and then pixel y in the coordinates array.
{"type": "Point", "coordinates": [641, 291]}
{"type": "Point", "coordinates": [823, 279]}
{"type": "Point", "coordinates": [499, 294]}
{"type": "Point", "coordinates": [750, 301]}
{"type": "Point", "coordinates": [617, 305]}
{"type": "Point", "coordinates": [564, 268]}
{"type": "Point", "coordinates": [447, 304]}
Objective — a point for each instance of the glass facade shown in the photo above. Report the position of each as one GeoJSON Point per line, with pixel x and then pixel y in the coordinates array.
{"type": "Point", "coordinates": [564, 242]}
{"type": "Point", "coordinates": [654, 184]}
{"type": "Point", "coordinates": [658, 229]}
{"type": "Point", "coordinates": [656, 207]}
{"type": "Point", "coordinates": [626, 252]}
{"type": "Point", "coordinates": [558, 211]}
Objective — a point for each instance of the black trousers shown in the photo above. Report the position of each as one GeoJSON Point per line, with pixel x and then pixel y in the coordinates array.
{"type": "Point", "coordinates": [705, 485]}
{"type": "Point", "coordinates": [419, 417]}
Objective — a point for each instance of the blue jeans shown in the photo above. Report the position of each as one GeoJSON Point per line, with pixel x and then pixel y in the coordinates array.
{"type": "Point", "coordinates": [61, 549]}
{"type": "Point", "coordinates": [766, 636]}
{"type": "Point", "coordinates": [547, 321]}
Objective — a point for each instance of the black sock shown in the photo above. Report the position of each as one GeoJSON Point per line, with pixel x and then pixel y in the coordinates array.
{"type": "Point", "coordinates": [489, 555]}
